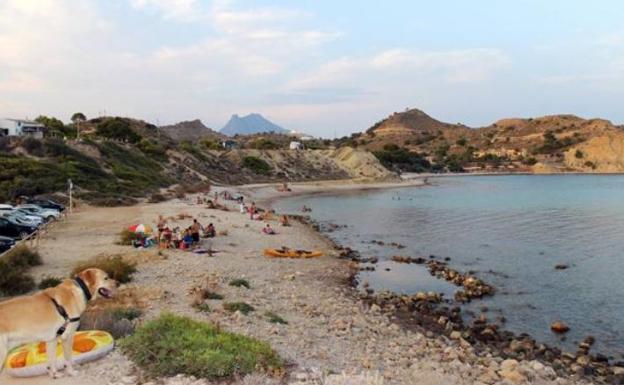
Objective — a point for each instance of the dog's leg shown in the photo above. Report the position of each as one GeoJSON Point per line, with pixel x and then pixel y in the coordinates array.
{"type": "Point", "coordinates": [4, 350]}
{"type": "Point", "coordinates": [51, 353]}
{"type": "Point", "coordinates": [68, 345]}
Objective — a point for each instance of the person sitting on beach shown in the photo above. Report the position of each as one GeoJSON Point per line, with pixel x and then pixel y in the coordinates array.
{"type": "Point", "coordinates": [187, 241]}
{"type": "Point", "coordinates": [195, 230]}
{"type": "Point", "coordinates": [284, 221]}
{"type": "Point", "coordinates": [268, 230]}
{"type": "Point", "coordinates": [210, 232]}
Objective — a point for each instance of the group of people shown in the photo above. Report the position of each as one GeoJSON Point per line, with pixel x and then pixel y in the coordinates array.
{"type": "Point", "coordinates": [185, 239]}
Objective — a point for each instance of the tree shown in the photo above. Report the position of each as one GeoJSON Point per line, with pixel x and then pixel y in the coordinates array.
{"type": "Point", "coordinates": [78, 117]}
{"type": "Point", "coordinates": [53, 125]}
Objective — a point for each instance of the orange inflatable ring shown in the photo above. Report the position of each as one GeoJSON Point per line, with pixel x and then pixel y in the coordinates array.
{"type": "Point", "coordinates": [31, 359]}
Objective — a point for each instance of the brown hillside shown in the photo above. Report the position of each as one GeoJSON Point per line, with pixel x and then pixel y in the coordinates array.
{"type": "Point", "coordinates": [544, 144]}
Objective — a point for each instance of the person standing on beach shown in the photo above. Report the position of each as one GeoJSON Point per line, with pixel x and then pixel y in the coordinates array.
{"type": "Point", "coordinates": [160, 224]}
{"type": "Point", "coordinates": [195, 229]}
{"type": "Point", "coordinates": [252, 210]}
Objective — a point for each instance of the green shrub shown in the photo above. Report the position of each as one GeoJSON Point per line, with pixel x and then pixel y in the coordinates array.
{"type": "Point", "coordinates": [129, 313]}
{"type": "Point", "coordinates": [23, 256]}
{"type": "Point", "coordinates": [401, 159]}
{"type": "Point", "coordinates": [242, 307]}
{"type": "Point", "coordinates": [202, 307]}
{"type": "Point", "coordinates": [172, 345]}
{"type": "Point", "coordinates": [116, 267]}
{"type": "Point", "coordinates": [257, 165]}
{"type": "Point", "coordinates": [14, 266]}
{"type": "Point", "coordinates": [47, 282]}
{"type": "Point", "coordinates": [210, 144]}
{"type": "Point", "coordinates": [127, 237]}
{"type": "Point", "coordinates": [116, 321]}
{"type": "Point", "coordinates": [212, 295]}
{"type": "Point", "coordinates": [118, 129]}
{"type": "Point", "coordinates": [578, 154]}
{"type": "Point", "coordinates": [274, 318]}
{"type": "Point", "coordinates": [264, 144]}
{"type": "Point", "coordinates": [238, 282]}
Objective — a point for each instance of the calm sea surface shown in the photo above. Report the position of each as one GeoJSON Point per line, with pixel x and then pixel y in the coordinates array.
{"type": "Point", "coordinates": [511, 230]}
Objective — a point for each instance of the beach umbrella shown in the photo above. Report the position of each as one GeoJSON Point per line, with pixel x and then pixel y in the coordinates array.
{"type": "Point", "coordinates": [141, 228]}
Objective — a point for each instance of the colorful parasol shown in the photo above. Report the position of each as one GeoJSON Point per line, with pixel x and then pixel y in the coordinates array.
{"type": "Point", "coordinates": [141, 228]}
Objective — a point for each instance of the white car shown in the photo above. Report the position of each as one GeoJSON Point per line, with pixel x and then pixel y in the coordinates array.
{"type": "Point", "coordinates": [47, 214]}
{"type": "Point", "coordinates": [10, 211]}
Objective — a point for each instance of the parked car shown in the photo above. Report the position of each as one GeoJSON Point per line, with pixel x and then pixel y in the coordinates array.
{"type": "Point", "coordinates": [21, 218]}
{"type": "Point", "coordinates": [12, 212]}
{"type": "Point", "coordinates": [45, 204]}
{"type": "Point", "coordinates": [12, 229]}
{"type": "Point", "coordinates": [6, 243]}
{"type": "Point", "coordinates": [47, 214]}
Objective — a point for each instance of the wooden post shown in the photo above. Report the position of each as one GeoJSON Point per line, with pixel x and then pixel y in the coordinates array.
{"type": "Point", "coordinates": [71, 201]}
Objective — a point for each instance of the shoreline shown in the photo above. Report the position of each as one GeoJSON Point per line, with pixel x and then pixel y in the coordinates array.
{"type": "Point", "coordinates": [483, 336]}
{"type": "Point", "coordinates": [331, 329]}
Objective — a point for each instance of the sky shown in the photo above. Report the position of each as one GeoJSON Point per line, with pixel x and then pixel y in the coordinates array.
{"type": "Point", "coordinates": [325, 67]}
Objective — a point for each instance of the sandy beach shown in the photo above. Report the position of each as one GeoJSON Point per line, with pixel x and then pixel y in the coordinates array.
{"type": "Point", "coordinates": [332, 337]}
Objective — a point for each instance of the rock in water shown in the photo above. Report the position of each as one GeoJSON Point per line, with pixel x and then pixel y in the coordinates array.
{"type": "Point", "coordinates": [559, 327]}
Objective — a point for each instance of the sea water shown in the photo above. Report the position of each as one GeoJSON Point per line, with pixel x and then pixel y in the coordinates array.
{"type": "Point", "coordinates": [511, 231]}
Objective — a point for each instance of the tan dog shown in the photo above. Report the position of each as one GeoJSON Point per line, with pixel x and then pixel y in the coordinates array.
{"type": "Point", "coordinates": [51, 314]}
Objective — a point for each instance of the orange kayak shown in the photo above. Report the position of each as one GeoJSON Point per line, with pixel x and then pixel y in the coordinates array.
{"type": "Point", "coordinates": [276, 253]}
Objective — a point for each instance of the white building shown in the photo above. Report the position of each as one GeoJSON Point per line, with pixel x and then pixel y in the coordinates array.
{"type": "Point", "coordinates": [296, 146]}
{"type": "Point", "coordinates": [20, 127]}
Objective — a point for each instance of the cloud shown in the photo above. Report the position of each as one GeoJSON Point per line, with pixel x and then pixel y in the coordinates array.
{"type": "Point", "coordinates": [184, 10]}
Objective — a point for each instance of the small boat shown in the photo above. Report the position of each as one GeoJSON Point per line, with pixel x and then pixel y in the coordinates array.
{"type": "Point", "coordinates": [290, 253]}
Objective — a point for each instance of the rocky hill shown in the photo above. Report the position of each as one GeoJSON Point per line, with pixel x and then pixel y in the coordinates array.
{"type": "Point", "coordinates": [190, 130]}
{"type": "Point", "coordinates": [121, 160]}
{"type": "Point", "coordinates": [558, 143]}
{"type": "Point", "coordinates": [250, 124]}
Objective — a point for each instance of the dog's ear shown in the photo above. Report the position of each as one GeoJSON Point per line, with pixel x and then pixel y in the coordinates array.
{"type": "Point", "coordinates": [89, 277]}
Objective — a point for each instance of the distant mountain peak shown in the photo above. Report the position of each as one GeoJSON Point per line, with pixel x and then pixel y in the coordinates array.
{"type": "Point", "coordinates": [252, 123]}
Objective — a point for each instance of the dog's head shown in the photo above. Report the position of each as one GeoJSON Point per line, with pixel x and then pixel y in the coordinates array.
{"type": "Point", "coordinates": [98, 282]}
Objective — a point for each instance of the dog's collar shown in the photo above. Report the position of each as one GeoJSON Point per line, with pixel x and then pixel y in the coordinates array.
{"type": "Point", "coordinates": [82, 285]}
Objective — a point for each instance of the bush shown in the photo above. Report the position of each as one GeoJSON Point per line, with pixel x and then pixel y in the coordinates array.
{"type": "Point", "coordinates": [118, 129]}
{"type": "Point", "coordinates": [578, 154]}
{"type": "Point", "coordinates": [202, 307]}
{"type": "Point", "coordinates": [47, 282]}
{"type": "Point", "coordinates": [172, 345]}
{"type": "Point", "coordinates": [117, 321]}
{"type": "Point", "coordinates": [242, 307]}
{"type": "Point", "coordinates": [257, 165]}
{"type": "Point", "coordinates": [264, 144]}
{"type": "Point", "coordinates": [117, 269]}
{"type": "Point", "coordinates": [275, 319]}
{"type": "Point", "coordinates": [240, 282]}
{"type": "Point", "coordinates": [401, 159]}
{"type": "Point", "coordinates": [212, 295]}
{"type": "Point", "coordinates": [157, 198]}
{"type": "Point", "coordinates": [14, 279]}
{"type": "Point", "coordinates": [129, 313]}
{"type": "Point", "coordinates": [127, 237]}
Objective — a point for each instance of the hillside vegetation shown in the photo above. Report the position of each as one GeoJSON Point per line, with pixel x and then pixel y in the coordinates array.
{"type": "Point", "coordinates": [120, 160]}
{"type": "Point", "coordinates": [414, 141]}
